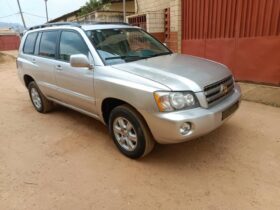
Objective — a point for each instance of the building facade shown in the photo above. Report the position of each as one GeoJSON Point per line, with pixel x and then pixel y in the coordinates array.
{"type": "Point", "coordinates": [243, 34]}
{"type": "Point", "coordinates": [112, 12]}
{"type": "Point", "coordinates": [162, 18]}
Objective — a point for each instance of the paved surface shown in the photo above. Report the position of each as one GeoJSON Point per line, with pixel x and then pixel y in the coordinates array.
{"type": "Point", "coordinates": [269, 95]}
{"type": "Point", "coordinates": [64, 160]}
{"type": "Point", "coordinates": [13, 53]}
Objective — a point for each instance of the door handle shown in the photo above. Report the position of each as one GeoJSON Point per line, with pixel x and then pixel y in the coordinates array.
{"type": "Point", "coordinates": [58, 67]}
{"type": "Point", "coordinates": [33, 60]}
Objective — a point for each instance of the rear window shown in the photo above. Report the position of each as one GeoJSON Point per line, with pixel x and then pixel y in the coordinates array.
{"type": "Point", "coordinates": [48, 44]}
{"type": "Point", "coordinates": [29, 44]}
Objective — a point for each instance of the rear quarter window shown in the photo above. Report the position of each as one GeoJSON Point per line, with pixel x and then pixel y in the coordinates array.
{"type": "Point", "coordinates": [30, 42]}
{"type": "Point", "coordinates": [48, 44]}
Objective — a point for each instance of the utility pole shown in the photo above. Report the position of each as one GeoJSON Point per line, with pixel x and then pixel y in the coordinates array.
{"type": "Point", "coordinates": [124, 19]}
{"type": "Point", "coordinates": [46, 6]}
{"type": "Point", "coordinates": [21, 14]}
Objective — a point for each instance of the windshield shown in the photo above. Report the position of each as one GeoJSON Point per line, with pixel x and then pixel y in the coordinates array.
{"type": "Point", "coordinates": [125, 45]}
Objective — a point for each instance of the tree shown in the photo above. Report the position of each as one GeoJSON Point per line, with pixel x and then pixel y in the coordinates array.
{"type": "Point", "coordinates": [92, 5]}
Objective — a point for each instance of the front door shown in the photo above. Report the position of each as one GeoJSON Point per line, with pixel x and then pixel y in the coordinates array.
{"type": "Point", "coordinates": [75, 85]}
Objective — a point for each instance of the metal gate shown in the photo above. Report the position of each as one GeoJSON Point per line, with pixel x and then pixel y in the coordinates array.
{"type": "Point", "coordinates": [243, 34]}
{"type": "Point", "coordinates": [9, 42]}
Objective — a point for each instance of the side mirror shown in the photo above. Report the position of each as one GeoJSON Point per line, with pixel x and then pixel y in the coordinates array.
{"type": "Point", "coordinates": [80, 60]}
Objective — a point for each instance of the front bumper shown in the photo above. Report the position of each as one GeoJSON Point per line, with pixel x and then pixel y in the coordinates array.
{"type": "Point", "coordinates": [165, 126]}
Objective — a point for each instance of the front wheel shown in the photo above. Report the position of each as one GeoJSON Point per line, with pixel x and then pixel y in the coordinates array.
{"type": "Point", "coordinates": [130, 132]}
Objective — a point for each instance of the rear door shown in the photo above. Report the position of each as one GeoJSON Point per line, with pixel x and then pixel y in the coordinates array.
{"type": "Point", "coordinates": [75, 85]}
{"type": "Point", "coordinates": [45, 55]}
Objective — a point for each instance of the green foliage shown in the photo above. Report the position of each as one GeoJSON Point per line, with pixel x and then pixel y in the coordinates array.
{"type": "Point", "coordinates": [92, 5]}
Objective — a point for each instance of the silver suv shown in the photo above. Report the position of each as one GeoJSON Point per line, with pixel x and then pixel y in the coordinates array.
{"type": "Point", "coordinates": [124, 77]}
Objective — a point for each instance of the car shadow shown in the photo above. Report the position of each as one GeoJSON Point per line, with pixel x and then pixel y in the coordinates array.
{"type": "Point", "coordinates": [214, 145]}
{"type": "Point", "coordinates": [211, 148]}
{"type": "Point", "coordinates": [80, 118]}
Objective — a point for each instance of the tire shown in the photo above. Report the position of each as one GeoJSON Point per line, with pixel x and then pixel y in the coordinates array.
{"type": "Point", "coordinates": [144, 140]}
{"type": "Point", "coordinates": [39, 101]}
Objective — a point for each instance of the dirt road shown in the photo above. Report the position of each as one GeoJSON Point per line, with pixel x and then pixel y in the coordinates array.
{"type": "Point", "coordinates": [65, 160]}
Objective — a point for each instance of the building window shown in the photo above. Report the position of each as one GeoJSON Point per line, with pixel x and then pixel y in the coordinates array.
{"type": "Point", "coordinates": [139, 21]}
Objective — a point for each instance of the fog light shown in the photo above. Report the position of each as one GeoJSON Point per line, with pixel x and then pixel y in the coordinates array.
{"type": "Point", "coordinates": [185, 128]}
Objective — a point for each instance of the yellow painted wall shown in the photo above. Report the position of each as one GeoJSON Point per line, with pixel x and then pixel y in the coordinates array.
{"type": "Point", "coordinates": [129, 6]}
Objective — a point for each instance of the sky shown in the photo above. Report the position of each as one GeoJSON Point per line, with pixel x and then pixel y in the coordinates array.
{"type": "Point", "coordinates": [34, 10]}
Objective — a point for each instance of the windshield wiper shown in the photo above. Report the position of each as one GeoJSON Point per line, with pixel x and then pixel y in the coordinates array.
{"type": "Point", "coordinates": [124, 57]}
{"type": "Point", "coordinates": [136, 57]}
{"type": "Point", "coordinates": [159, 54]}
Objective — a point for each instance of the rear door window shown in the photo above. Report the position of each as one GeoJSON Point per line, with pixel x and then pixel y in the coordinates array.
{"type": "Point", "coordinates": [29, 44]}
{"type": "Point", "coordinates": [48, 44]}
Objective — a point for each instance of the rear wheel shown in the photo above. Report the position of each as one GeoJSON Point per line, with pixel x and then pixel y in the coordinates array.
{"type": "Point", "coordinates": [39, 101]}
{"type": "Point", "coordinates": [130, 132]}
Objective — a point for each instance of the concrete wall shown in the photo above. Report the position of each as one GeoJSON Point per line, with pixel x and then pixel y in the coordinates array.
{"type": "Point", "coordinates": [152, 5]}
{"type": "Point", "coordinates": [129, 6]}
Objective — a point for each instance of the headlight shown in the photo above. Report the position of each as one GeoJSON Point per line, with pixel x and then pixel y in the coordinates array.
{"type": "Point", "coordinates": [177, 100]}
{"type": "Point", "coordinates": [170, 101]}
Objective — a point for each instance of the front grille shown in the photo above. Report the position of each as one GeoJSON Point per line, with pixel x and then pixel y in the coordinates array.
{"type": "Point", "coordinates": [218, 90]}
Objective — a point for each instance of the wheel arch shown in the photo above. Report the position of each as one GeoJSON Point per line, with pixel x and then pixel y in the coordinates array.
{"type": "Point", "coordinates": [108, 104]}
{"type": "Point", "coordinates": [27, 79]}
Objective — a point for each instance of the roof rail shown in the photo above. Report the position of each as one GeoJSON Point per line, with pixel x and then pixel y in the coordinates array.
{"type": "Point", "coordinates": [55, 24]}
{"type": "Point", "coordinates": [100, 22]}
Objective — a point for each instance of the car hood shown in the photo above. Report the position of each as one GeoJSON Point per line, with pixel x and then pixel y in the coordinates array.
{"type": "Point", "coordinates": [178, 72]}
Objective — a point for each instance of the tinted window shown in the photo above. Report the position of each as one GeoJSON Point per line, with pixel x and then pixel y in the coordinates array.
{"type": "Point", "coordinates": [125, 45]}
{"type": "Point", "coordinates": [71, 43]}
{"type": "Point", "coordinates": [29, 44]}
{"type": "Point", "coordinates": [48, 44]}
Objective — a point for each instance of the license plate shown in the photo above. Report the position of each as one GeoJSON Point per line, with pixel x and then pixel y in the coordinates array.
{"type": "Point", "coordinates": [229, 111]}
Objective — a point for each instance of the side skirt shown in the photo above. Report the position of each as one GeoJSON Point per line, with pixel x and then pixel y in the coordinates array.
{"type": "Point", "coordinates": [77, 109]}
